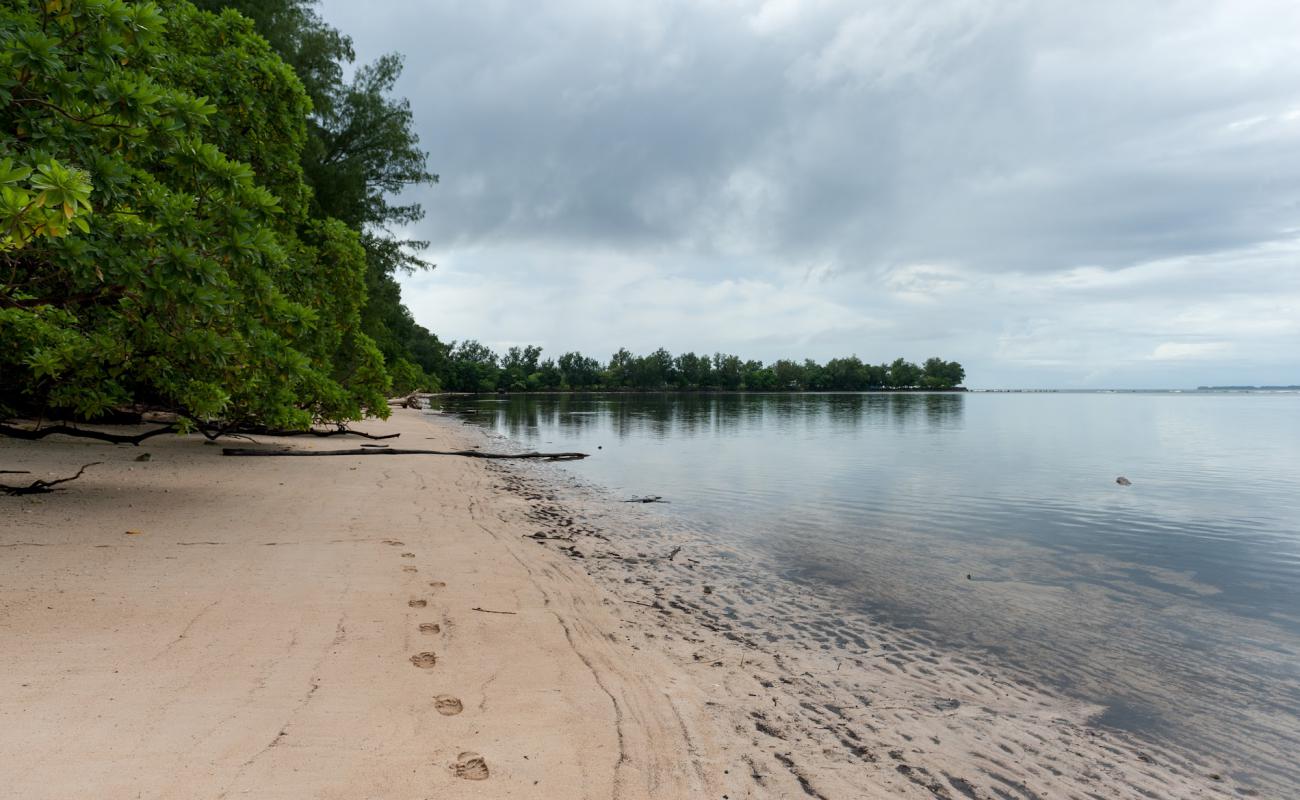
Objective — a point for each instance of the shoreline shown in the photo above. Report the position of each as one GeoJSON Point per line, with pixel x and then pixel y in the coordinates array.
{"type": "Point", "coordinates": [133, 665]}
{"type": "Point", "coordinates": [846, 705]}
{"type": "Point", "coordinates": [706, 392]}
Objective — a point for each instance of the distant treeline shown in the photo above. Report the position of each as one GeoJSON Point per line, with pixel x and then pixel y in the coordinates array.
{"type": "Point", "coordinates": [1246, 388]}
{"type": "Point", "coordinates": [472, 367]}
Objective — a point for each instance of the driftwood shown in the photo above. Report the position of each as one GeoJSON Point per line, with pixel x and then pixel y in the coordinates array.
{"type": "Point", "coordinates": [257, 430]}
{"type": "Point", "coordinates": [43, 486]}
{"type": "Point", "coordinates": [412, 400]}
{"type": "Point", "coordinates": [654, 498]}
{"type": "Point", "coordinates": [209, 431]}
{"type": "Point", "coordinates": [393, 451]}
{"type": "Point", "coordinates": [83, 433]}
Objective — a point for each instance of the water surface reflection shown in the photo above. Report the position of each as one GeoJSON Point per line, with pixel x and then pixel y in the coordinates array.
{"type": "Point", "coordinates": [994, 522]}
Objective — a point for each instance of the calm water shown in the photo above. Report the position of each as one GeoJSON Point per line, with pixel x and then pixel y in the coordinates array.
{"type": "Point", "coordinates": [994, 522]}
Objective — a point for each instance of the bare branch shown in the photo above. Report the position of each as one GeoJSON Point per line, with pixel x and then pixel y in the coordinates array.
{"type": "Point", "coordinates": [83, 433]}
{"type": "Point", "coordinates": [44, 486]}
{"type": "Point", "coordinates": [389, 451]}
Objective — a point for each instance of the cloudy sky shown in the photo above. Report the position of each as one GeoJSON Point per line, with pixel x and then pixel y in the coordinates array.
{"type": "Point", "coordinates": [1055, 194]}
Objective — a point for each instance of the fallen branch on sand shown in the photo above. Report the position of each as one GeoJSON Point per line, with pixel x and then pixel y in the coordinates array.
{"type": "Point", "coordinates": [412, 400]}
{"type": "Point", "coordinates": [342, 430]}
{"type": "Point", "coordinates": [43, 486]}
{"type": "Point", "coordinates": [209, 431]}
{"type": "Point", "coordinates": [392, 451]}
{"type": "Point", "coordinates": [83, 433]}
{"type": "Point", "coordinates": [490, 611]}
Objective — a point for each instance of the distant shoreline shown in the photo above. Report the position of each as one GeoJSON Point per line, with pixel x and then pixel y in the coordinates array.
{"type": "Point", "coordinates": [679, 392]}
{"type": "Point", "coordinates": [1292, 388]}
{"type": "Point", "coordinates": [953, 390]}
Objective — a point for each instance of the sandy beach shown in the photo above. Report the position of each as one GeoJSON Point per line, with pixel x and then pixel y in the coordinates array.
{"type": "Point", "coordinates": [197, 626]}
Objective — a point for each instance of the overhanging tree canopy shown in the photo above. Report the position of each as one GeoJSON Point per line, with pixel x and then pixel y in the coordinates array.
{"type": "Point", "coordinates": [362, 150]}
{"type": "Point", "coordinates": [156, 243]}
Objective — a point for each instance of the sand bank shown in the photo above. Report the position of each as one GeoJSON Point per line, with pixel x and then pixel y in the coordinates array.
{"type": "Point", "coordinates": [389, 628]}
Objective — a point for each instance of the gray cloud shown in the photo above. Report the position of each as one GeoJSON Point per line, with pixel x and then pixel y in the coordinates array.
{"type": "Point", "coordinates": [815, 178]}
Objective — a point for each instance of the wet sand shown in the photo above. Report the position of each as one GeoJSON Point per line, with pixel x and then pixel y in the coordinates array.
{"type": "Point", "coordinates": [413, 627]}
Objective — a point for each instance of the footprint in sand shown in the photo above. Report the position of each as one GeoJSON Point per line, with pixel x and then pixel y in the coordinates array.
{"type": "Point", "coordinates": [447, 705]}
{"type": "Point", "coordinates": [393, 542]}
{"type": "Point", "coordinates": [425, 660]}
{"type": "Point", "coordinates": [471, 767]}
{"type": "Point", "coordinates": [430, 627]}
{"type": "Point", "coordinates": [438, 584]}
{"type": "Point", "coordinates": [410, 569]}
{"type": "Point", "coordinates": [417, 603]}
{"type": "Point", "coordinates": [408, 555]}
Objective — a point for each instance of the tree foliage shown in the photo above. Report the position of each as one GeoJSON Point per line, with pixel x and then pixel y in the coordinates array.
{"type": "Point", "coordinates": [362, 150]}
{"type": "Point", "coordinates": [159, 246]}
{"type": "Point", "coordinates": [473, 367]}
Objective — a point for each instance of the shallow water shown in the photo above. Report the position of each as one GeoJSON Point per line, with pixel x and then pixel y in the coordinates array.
{"type": "Point", "coordinates": [994, 522]}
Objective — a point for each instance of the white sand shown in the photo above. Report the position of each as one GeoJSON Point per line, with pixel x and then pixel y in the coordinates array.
{"type": "Point", "coordinates": [254, 638]}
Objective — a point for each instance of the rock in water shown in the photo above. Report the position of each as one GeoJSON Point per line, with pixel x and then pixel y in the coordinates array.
{"type": "Point", "coordinates": [1122, 481]}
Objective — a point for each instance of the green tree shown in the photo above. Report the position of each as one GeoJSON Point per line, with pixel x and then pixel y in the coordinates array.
{"type": "Point", "coordinates": [315, 51]}
{"type": "Point", "coordinates": [548, 377]}
{"type": "Point", "coordinates": [904, 374]}
{"type": "Point", "coordinates": [940, 374]}
{"type": "Point", "coordinates": [814, 376]}
{"type": "Point", "coordinates": [788, 375]}
{"type": "Point", "coordinates": [618, 373]}
{"type": "Point", "coordinates": [579, 371]}
{"type": "Point", "coordinates": [517, 366]}
{"type": "Point", "coordinates": [473, 368]}
{"type": "Point", "coordinates": [727, 372]}
{"type": "Point", "coordinates": [186, 273]}
{"type": "Point", "coordinates": [844, 375]}
{"type": "Point", "coordinates": [653, 372]}
{"type": "Point", "coordinates": [361, 151]}
{"type": "Point", "coordinates": [758, 378]}
{"type": "Point", "coordinates": [693, 371]}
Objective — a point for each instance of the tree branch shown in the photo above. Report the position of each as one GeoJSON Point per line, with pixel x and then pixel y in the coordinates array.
{"type": "Point", "coordinates": [342, 430]}
{"type": "Point", "coordinates": [387, 451]}
{"type": "Point", "coordinates": [43, 486]}
{"type": "Point", "coordinates": [70, 115]}
{"type": "Point", "coordinates": [81, 433]}
{"type": "Point", "coordinates": [105, 292]}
